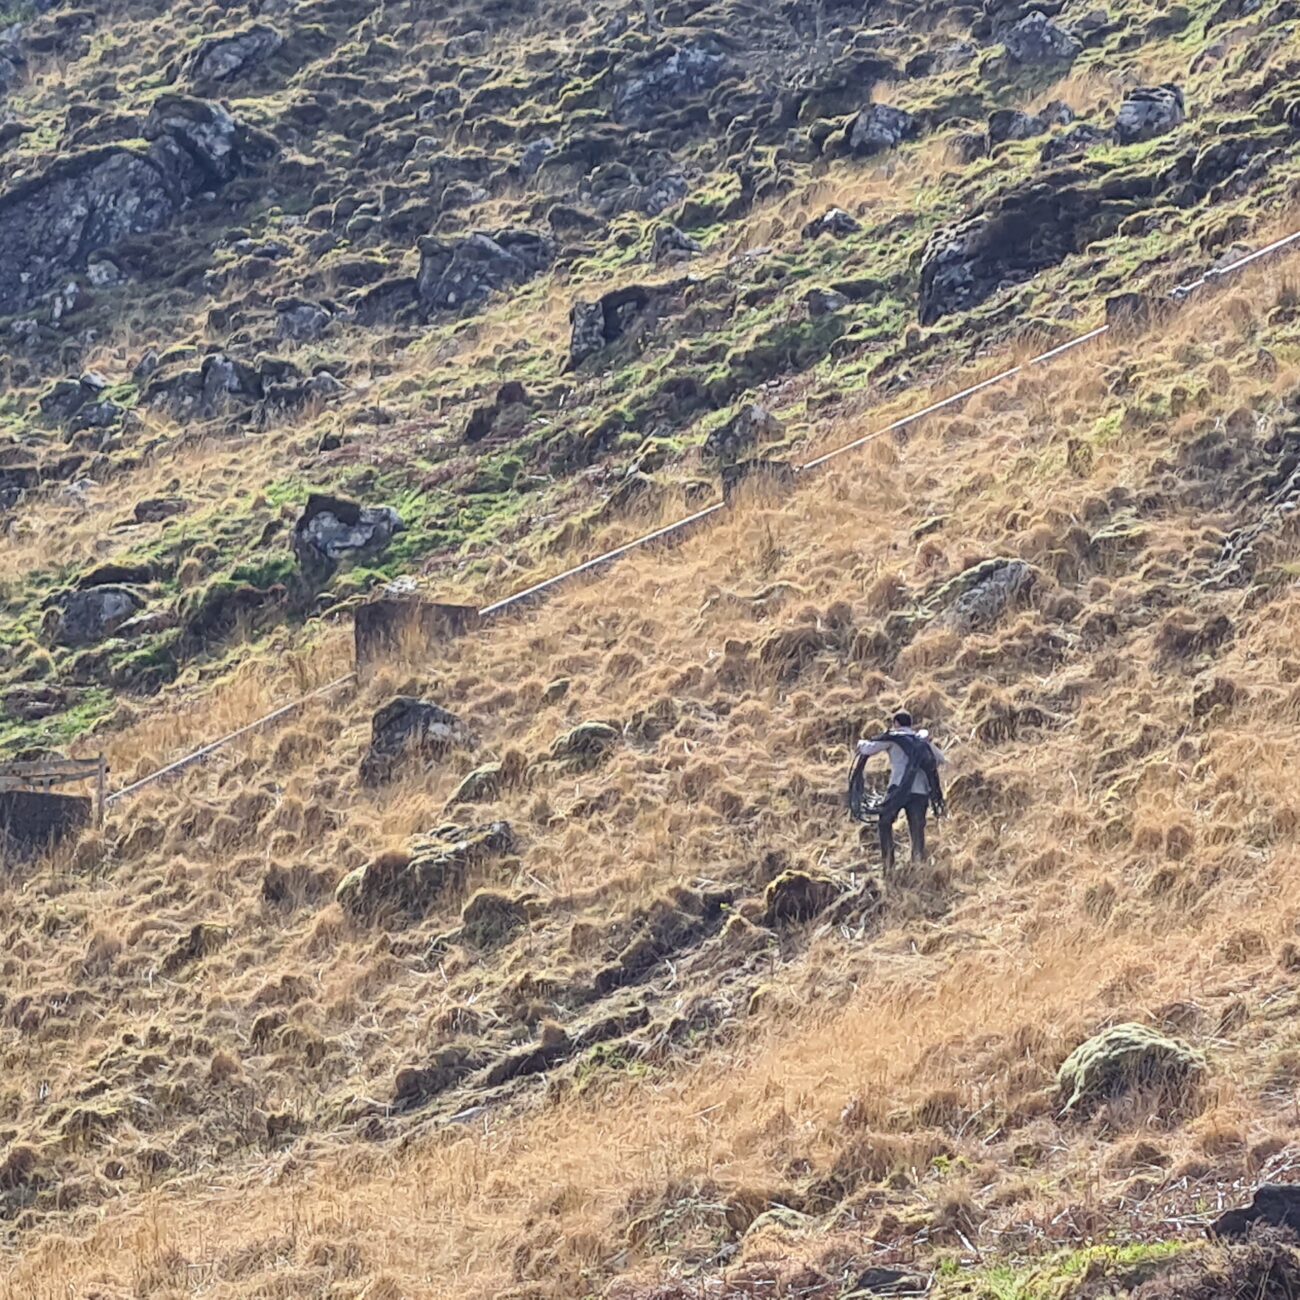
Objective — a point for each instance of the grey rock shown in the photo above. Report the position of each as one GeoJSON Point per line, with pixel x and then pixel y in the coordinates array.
{"type": "Point", "coordinates": [586, 331]}
{"type": "Point", "coordinates": [66, 397]}
{"type": "Point", "coordinates": [1077, 140]}
{"type": "Point", "coordinates": [668, 80]}
{"type": "Point", "coordinates": [460, 276]}
{"type": "Point", "coordinates": [232, 55]}
{"type": "Point", "coordinates": [224, 379]}
{"type": "Point", "coordinates": [976, 599]}
{"type": "Point", "coordinates": [331, 530]}
{"type": "Point", "coordinates": [834, 221]}
{"type": "Point", "coordinates": [750, 426]}
{"type": "Point", "coordinates": [532, 158]}
{"type": "Point", "coordinates": [1035, 40]}
{"type": "Point", "coordinates": [1149, 112]}
{"type": "Point", "coordinates": [1011, 124]}
{"type": "Point", "coordinates": [662, 194]}
{"type": "Point", "coordinates": [299, 321]}
{"type": "Point", "coordinates": [824, 302]}
{"type": "Point", "coordinates": [595, 325]}
{"type": "Point", "coordinates": [879, 127]}
{"type": "Point", "coordinates": [407, 729]}
{"type": "Point", "coordinates": [673, 244]}
{"type": "Point", "coordinates": [89, 617]}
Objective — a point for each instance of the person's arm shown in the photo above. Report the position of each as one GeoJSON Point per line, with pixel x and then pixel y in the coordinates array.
{"type": "Point", "coordinates": [866, 748]}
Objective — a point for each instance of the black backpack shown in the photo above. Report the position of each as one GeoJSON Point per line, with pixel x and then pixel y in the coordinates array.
{"type": "Point", "coordinates": [920, 756]}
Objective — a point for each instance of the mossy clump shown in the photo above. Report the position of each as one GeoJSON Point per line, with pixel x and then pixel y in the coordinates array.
{"type": "Point", "coordinates": [1124, 1059]}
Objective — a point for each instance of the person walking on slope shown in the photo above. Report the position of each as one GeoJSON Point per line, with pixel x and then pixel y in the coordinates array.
{"type": "Point", "coordinates": [914, 787]}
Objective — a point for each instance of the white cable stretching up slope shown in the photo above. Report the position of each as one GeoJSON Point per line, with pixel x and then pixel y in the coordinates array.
{"type": "Point", "coordinates": [528, 594]}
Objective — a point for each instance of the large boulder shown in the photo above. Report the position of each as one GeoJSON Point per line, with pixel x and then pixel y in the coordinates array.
{"type": "Point", "coordinates": [89, 617]}
{"type": "Point", "coordinates": [595, 325]}
{"type": "Point", "coordinates": [585, 745]}
{"type": "Point", "coordinates": [1036, 41]}
{"type": "Point", "coordinates": [231, 55]}
{"type": "Point", "coordinates": [1123, 1059]}
{"type": "Point", "coordinates": [980, 595]}
{"type": "Point", "coordinates": [668, 80]}
{"type": "Point", "coordinates": [880, 127]}
{"type": "Point", "coordinates": [461, 275]}
{"type": "Point", "coordinates": [414, 880]}
{"type": "Point", "coordinates": [51, 223]}
{"type": "Point", "coordinates": [1149, 112]}
{"type": "Point", "coordinates": [407, 730]}
{"type": "Point", "coordinates": [332, 529]}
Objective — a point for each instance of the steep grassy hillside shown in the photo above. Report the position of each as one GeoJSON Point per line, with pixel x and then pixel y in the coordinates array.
{"type": "Point", "coordinates": [591, 1055]}
{"type": "Point", "coordinates": [603, 994]}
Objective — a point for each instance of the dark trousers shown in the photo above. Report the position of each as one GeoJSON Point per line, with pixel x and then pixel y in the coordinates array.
{"type": "Point", "coordinates": [915, 806]}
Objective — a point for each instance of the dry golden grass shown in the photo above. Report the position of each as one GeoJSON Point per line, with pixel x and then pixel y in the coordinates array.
{"type": "Point", "coordinates": [1114, 856]}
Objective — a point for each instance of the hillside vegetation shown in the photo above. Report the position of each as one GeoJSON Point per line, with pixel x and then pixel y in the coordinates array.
{"type": "Point", "coordinates": [602, 994]}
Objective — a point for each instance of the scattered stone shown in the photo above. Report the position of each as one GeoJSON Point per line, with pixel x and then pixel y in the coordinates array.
{"type": "Point", "coordinates": [461, 275]}
{"type": "Point", "coordinates": [1035, 40]}
{"type": "Point", "coordinates": [224, 58]}
{"type": "Point", "coordinates": [744, 432]}
{"type": "Point", "coordinates": [202, 941]}
{"type": "Point", "coordinates": [975, 599]}
{"type": "Point", "coordinates": [586, 744]}
{"type": "Point", "coordinates": [834, 221]}
{"type": "Point", "coordinates": [507, 413]}
{"type": "Point", "coordinates": [595, 325]}
{"type": "Point", "coordinates": [667, 80]}
{"type": "Point", "coordinates": [490, 918]}
{"type": "Point", "coordinates": [331, 530]}
{"type": "Point", "coordinates": [797, 896]}
{"type": "Point", "coordinates": [436, 863]}
{"type": "Point", "coordinates": [671, 244]}
{"type": "Point", "coordinates": [299, 321]}
{"type": "Point", "coordinates": [532, 158]}
{"type": "Point", "coordinates": [91, 616]}
{"type": "Point", "coordinates": [824, 302]}
{"type": "Point", "coordinates": [406, 730]}
{"type": "Point", "coordinates": [662, 194]}
{"type": "Point", "coordinates": [879, 127]}
{"type": "Point", "coordinates": [1277, 1204]}
{"type": "Point", "coordinates": [1011, 124]}
{"type": "Point", "coordinates": [66, 398]}
{"type": "Point", "coordinates": [783, 1218]}
{"type": "Point", "coordinates": [1149, 112]}
{"type": "Point", "coordinates": [1123, 1059]}
{"type": "Point", "coordinates": [1077, 140]}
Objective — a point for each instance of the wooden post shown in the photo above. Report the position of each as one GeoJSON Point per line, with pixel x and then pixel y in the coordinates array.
{"type": "Point", "coordinates": [101, 782]}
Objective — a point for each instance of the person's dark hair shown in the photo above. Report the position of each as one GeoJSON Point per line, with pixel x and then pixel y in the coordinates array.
{"type": "Point", "coordinates": [902, 718]}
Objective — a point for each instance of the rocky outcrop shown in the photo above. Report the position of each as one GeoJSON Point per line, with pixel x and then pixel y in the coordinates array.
{"type": "Point", "coordinates": [331, 530]}
{"type": "Point", "coordinates": [299, 321]}
{"type": "Point", "coordinates": [879, 127]}
{"type": "Point", "coordinates": [406, 731]}
{"type": "Point", "coordinates": [980, 595]}
{"type": "Point", "coordinates": [88, 617]}
{"type": "Point", "coordinates": [232, 55]}
{"type": "Point", "coordinates": [79, 403]}
{"type": "Point", "coordinates": [584, 745]}
{"type": "Point", "coordinates": [1276, 1204]}
{"type": "Point", "coordinates": [1037, 41]}
{"type": "Point", "coordinates": [52, 223]}
{"type": "Point", "coordinates": [1078, 139]}
{"type": "Point", "coordinates": [1123, 1059]}
{"type": "Point", "coordinates": [668, 80]}
{"type": "Point", "coordinates": [1021, 232]}
{"type": "Point", "coordinates": [1149, 112]}
{"type": "Point", "coordinates": [1011, 124]}
{"type": "Point", "coordinates": [462, 275]}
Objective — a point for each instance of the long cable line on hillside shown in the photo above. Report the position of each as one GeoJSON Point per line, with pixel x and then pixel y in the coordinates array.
{"type": "Point", "coordinates": [1177, 296]}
